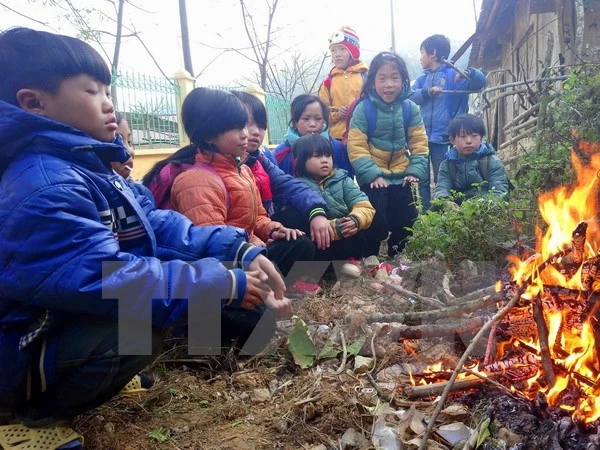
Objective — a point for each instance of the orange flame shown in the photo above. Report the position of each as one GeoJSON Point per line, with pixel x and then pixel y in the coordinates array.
{"type": "Point", "coordinates": [572, 351]}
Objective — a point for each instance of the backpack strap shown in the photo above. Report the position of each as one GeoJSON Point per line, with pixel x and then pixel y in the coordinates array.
{"type": "Point", "coordinates": [406, 116]}
{"type": "Point", "coordinates": [484, 167]}
{"type": "Point", "coordinates": [452, 171]}
{"type": "Point", "coordinates": [211, 169]}
{"type": "Point", "coordinates": [371, 114]}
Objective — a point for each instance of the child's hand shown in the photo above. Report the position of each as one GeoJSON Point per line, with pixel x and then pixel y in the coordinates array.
{"type": "Point", "coordinates": [263, 265]}
{"type": "Point", "coordinates": [379, 183]}
{"type": "Point", "coordinates": [320, 232]}
{"type": "Point", "coordinates": [281, 307]}
{"type": "Point", "coordinates": [285, 233]}
{"type": "Point", "coordinates": [257, 289]}
{"type": "Point", "coordinates": [409, 179]}
{"type": "Point", "coordinates": [435, 90]}
{"type": "Point", "coordinates": [348, 227]}
{"type": "Point", "coordinates": [342, 112]}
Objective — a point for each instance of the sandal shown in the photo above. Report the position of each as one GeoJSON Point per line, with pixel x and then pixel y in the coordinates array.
{"type": "Point", "coordinates": [21, 437]}
{"type": "Point", "coordinates": [140, 383]}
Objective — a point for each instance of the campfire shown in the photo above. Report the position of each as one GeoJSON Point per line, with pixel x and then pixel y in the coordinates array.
{"type": "Point", "coordinates": [545, 345]}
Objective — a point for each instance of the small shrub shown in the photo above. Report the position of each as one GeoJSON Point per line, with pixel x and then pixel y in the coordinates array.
{"type": "Point", "coordinates": [474, 230]}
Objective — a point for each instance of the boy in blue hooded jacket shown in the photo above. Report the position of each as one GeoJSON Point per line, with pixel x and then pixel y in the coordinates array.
{"type": "Point", "coordinates": [90, 273]}
{"type": "Point", "coordinates": [441, 93]}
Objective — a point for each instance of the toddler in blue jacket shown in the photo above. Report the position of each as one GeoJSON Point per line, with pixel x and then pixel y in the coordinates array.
{"type": "Point", "coordinates": [91, 276]}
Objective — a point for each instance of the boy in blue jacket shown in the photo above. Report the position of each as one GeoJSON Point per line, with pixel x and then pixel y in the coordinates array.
{"type": "Point", "coordinates": [435, 91]}
{"type": "Point", "coordinates": [90, 275]}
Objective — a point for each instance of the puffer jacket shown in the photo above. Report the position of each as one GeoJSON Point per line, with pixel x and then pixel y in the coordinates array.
{"type": "Point", "coordinates": [286, 161]}
{"type": "Point", "coordinates": [225, 194]}
{"type": "Point", "coordinates": [344, 199]}
{"type": "Point", "coordinates": [63, 213]}
{"type": "Point", "coordinates": [287, 190]}
{"type": "Point", "coordinates": [341, 88]}
{"type": "Point", "coordinates": [468, 173]}
{"type": "Point", "coordinates": [385, 155]}
{"type": "Point", "coordinates": [439, 110]}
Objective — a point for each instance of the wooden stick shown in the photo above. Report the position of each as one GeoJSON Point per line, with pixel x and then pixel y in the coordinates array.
{"type": "Point", "coordinates": [538, 316]}
{"type": "Point", "coordinates": [475, 295]}
{"type": "Point", "coordinates": [424, 316]}
{"type": "Point", "coordinates": [435, 389]}
{"type": "Point", "coordinates": [497, 317]}
{"type": "Point", "coordinates": [435, 303]}
{"type": "Point", "coordinates": [436, 329]}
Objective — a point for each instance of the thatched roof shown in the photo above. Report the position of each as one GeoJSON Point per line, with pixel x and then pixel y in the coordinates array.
{"type": "Point", "coordinates": [494, 19]}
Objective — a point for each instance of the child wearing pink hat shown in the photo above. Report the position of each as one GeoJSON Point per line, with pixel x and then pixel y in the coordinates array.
{"type": "Point", "coordinates": [345, 80]}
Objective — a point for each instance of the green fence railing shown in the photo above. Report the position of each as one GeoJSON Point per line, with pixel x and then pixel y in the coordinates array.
{"type": "Point", "coordinates": [150, 104]}
{"type": "Point", "coordinates": [278, 115]}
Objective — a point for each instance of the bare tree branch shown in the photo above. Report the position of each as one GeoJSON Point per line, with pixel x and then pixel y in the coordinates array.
{"type": "Point", "coordinates": [26, 16]}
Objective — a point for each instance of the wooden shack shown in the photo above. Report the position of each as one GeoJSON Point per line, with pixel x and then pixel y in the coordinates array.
{"type": "Point", "coordinates": [524, 46]}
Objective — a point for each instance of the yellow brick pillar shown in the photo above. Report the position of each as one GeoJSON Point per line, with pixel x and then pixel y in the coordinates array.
{"type": "Point", "coordinates": [186, 83]}
{"type": "Point", "coordinates": [257, 91]}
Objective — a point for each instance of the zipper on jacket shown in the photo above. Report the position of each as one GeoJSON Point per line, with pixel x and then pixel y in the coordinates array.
{"type": "Point", "coordinates": [389, 165]}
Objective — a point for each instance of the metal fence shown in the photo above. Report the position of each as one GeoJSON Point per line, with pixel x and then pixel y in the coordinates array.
{"type": "Point", "coordinates": [278, 115]}
{"type": "Point", "coordinates": [150, 104]}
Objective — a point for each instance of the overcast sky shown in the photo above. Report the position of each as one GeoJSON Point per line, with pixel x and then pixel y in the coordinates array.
{"type": "Point", "coordinates": [303, 25]}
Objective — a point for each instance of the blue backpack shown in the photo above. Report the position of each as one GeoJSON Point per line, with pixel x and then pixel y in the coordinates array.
{"type": "Point", "coordinates": [371, 114]}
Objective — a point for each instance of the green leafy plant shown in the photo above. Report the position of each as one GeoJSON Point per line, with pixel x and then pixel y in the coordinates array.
{"type": "Point", "coordinates": [474, 230]}
{"type": "Point", "coordinates": [159, 434]}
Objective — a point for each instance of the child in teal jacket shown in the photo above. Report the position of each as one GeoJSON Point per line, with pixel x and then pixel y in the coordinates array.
{"type": "Point", "coordinates": [471, 166]}
{"type": "Point", "coordinates": [348, 208]}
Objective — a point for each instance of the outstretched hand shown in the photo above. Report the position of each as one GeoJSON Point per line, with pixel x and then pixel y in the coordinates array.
{"type": "Point", "coordinates": [273, 278]}
{"type": "Point", "coordinates": [281, 307]}
{"type": "Point", "coordinates": [320, 232]}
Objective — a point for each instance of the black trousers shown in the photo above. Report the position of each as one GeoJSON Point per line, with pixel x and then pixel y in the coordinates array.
{"type": "Point", "coordinates": [394, 212]}
{"type": "Point", "coordinates": [342, 249]}
{"type": "Point", "coordinates": [287, 254]}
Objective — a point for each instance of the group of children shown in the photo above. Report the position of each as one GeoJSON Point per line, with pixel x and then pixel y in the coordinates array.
{"type": "Point", "coordinates": [87, 249]}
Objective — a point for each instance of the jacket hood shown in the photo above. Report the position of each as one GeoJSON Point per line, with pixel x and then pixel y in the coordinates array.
{"type": "Point", "coordinates": [356, 68]}
{"type": "Point", "coordinates": [20, 131]}
{"type": "Point", "coordinates": [292, 135]}
{"type": "Point", "coordinates": [485, 149]}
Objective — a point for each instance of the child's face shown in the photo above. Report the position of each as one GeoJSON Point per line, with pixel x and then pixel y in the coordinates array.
{"type": "Point", "coordinates": [388, 82]}
{"type": "Point", "coordinates": [428, 61]}
{"type": "Point", "coordinates": [466, 143]}
{"type": "Point", "coordinates": [84, 103]}
{"type": "Point", "coordinates": [340, 56]}
{"type": "Point", "coordinates": [125, 133]}
{"type": "Point", "coordinates": [256, 134]}
{"type": "Point", "coordinates": [319, 166]}
{"type": "Point", "coordinates": [232, 142]}
{"type": "Point", "coordinates": [311, 120]}
{"type": "Point", "coordinates": [123, 169]}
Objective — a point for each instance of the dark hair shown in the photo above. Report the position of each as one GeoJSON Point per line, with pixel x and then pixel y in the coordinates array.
{"type": "Point", "coordinates": [206, 113]}
{"type": "Point", "coordinates": [120, 116]}
{"type": "Point", "coordinates": [256, 107]}
{"type": "Point", "coordinates": [379, 60]}
{"type": "Point", "coordinates": [439, 43]}
{"type": "Point", "coordinates": [300, 103]}
{"type": "Point", "coordinates": [31, 59]}
{"type": "Point", "coordinates": [467, 123]}
{"type": "Point", "coordinates": [308, 146]}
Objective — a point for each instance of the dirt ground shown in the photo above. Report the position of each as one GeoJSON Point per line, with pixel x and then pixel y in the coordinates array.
{"type": "Point", "coordinates": [268, 402]}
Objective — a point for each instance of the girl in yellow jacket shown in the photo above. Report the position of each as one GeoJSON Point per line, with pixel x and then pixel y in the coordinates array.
{"type": "Point", "coordinates": [344, 81]}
